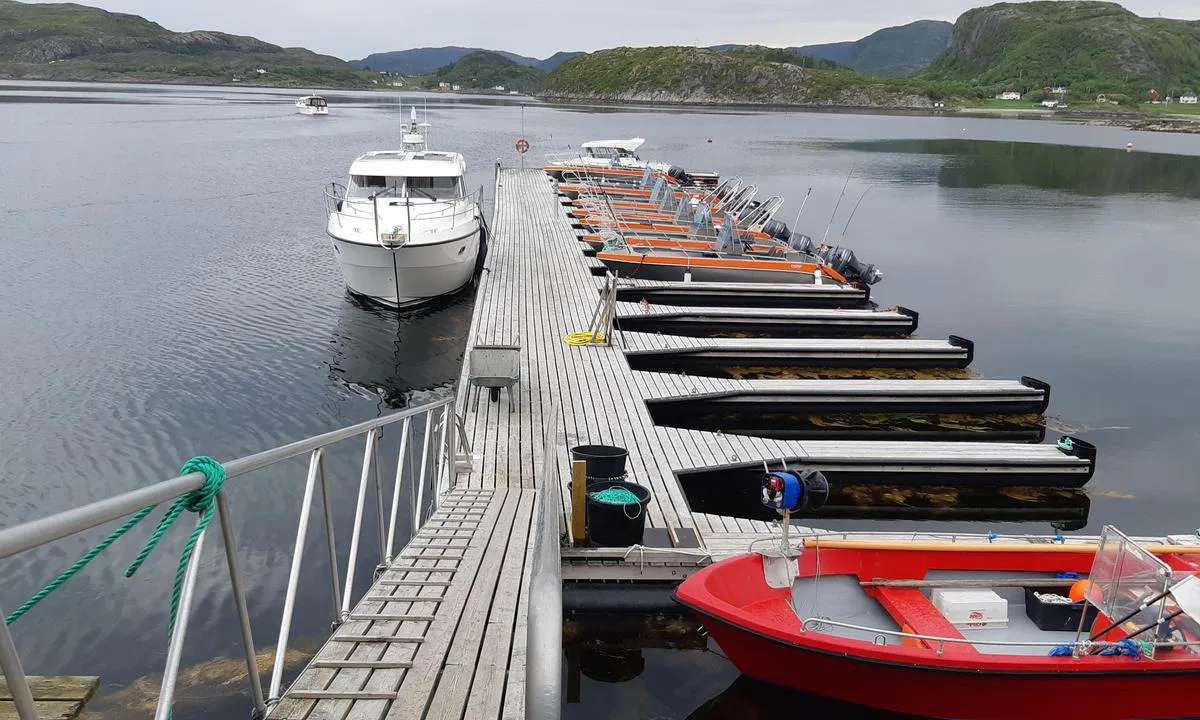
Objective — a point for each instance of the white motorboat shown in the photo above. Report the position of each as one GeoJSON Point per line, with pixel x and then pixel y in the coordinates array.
{"type": "Point", "coordinates": [606, 160]}
{"type": "Point", "coordinates": [312, 105]}
{"type": "Point", "coordinates": [404, 228]}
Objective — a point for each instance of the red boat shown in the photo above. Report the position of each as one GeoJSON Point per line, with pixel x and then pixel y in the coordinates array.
{"type": "Point", "coordinates": [858, 621]}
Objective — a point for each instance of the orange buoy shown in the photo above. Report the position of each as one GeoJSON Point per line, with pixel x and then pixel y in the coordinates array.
{"type": "Point", "coordinates": [1079, 590]}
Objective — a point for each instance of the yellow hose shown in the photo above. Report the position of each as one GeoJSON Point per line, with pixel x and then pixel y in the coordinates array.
{"type": "Point", "coordinates": [587, 337]}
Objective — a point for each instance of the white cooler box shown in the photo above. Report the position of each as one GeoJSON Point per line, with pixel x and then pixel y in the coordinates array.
{"type": "Point", "coordinates": [972, 609]}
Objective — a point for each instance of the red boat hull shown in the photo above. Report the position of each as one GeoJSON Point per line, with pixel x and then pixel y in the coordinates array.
{"type": "Point", "coordinates": [959, 695]}
{"type": "Point", "coordinates": [759, 630]}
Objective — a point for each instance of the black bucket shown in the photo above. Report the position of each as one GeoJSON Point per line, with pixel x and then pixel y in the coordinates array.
{"type": "Point", "coordinates": [604, 462]}
{"type": "Point", "coordinates": [611, 525]}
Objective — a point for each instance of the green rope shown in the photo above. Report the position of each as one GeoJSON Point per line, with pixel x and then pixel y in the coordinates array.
{"type": "Point", "coordinates": [616, 496]}
{"type": "Point", "coordinates": [200, 500]}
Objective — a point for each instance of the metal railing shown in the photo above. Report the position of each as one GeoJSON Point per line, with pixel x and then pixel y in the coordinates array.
{"type": "Point", "coordinates": [439, 462]}
{"type": "Point", "coordinates": [543, 661]}
{"type": "Point", "coordinates": [459, 210]}
{"type": "Point", "coordinates": [815, 624]}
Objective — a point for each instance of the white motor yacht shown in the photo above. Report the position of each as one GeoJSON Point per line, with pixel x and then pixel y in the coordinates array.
{"type": "Point", "coordinates": [312, 105]}
{"type": "Point", "coordinates": [404, 228]}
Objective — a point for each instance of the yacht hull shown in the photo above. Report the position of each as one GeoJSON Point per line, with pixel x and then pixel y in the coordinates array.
{"type": "Point", "coordinates": [420, 272]}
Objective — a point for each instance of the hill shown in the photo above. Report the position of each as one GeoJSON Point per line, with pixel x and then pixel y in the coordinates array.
{"type": "Point", "coordinates": [65, 41]}
{"type": "Point", "coordinates": [423, 61]}
{"type": "Point", "coordinates": [892, 51]}
{"type": "Point", "coordinates": [557, 59]}
{"type": "Point", "coordinates": [483, 69]}
{"type": "Point", "coordinates": [1091, 47]}
{"type": "Point", "coordinates": [704, 76]}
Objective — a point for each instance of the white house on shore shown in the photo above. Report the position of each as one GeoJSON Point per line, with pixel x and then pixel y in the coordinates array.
{"type": "Point", "coordinates": [1188, 98]}
{"type": "Point", "coordinates": [1009, 95]}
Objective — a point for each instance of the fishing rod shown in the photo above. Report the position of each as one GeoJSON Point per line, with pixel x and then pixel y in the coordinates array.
{"type": "Point", "coordinates": [796, 224]}
{"type": "Point", "coordinates": [838, 205]}
{"type": "Point", "coordinates": [852, 212]}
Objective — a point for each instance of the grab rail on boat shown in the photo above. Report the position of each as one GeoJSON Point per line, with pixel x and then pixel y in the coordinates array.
{"type": "Point", "coordinates": [442, 436]}
{"type": "Point", "coordinates": [941, 641]}
{"type": "Point", "coordinates": [543, 663]}
{"type": "Point", "coordinates": [337, 201]}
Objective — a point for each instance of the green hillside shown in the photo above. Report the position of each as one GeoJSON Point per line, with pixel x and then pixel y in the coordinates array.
{"type": "Point", "coordinates": [895, 51]}
{"type": "Point", "coordinates": [65, 41]}
{"type": "Point", "coordinates": [484, 69]}
{"type": "Point", "coordinates": [1090, 47]}
{"type": "Point", "coordinates": [744, 76]}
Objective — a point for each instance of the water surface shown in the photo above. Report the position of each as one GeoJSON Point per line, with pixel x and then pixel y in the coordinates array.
{"type": "Point", "coordinates": [167, 291]}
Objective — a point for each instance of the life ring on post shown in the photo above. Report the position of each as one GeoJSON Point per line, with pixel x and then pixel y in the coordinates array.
{"type": "Point", "coordinates": [522, 146]}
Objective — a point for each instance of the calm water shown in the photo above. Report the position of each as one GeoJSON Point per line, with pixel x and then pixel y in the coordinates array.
{"type": "Point", "coordinates": [167, 290]}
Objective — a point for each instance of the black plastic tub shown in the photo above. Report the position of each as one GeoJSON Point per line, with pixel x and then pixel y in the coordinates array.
{"type": "Point", "coordinates": [1057, 616]}
{"type": "Point", "coordinates": [613, 525]}
{"type": "Point", "coordinates": [604, 462]}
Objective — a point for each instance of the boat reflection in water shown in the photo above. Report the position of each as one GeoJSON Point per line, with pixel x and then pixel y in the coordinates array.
{"type": "Point", "coordinates": [389, 356]}
{"type": "Point", "coordinates": [750, 699]}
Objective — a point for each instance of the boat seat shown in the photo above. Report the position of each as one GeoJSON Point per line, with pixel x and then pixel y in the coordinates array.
{"type": "Point", "coordinates": [495, 367]}
{"type": "Point", "coordinates": [909, 606]}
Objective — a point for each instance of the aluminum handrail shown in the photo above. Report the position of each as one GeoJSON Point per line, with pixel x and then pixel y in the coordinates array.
{"type": "Point", "coordinates": [442, 430]}
{"type": "Point", "coordinates": [543, 663]}
{"type": "Point", "coordinates": [26, 536]}
{"type": "Point", "coordinates": [941, 640]}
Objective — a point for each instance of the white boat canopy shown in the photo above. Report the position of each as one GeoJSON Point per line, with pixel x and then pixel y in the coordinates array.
{"type": "Point", "coordinates": [628, 147]}
{"type": "Point", "coordinates": [393, 163]}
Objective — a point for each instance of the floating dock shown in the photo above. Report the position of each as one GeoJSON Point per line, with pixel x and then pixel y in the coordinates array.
{"type": "Point", "coordinates": [464, 622]}
{"type": "Point", "coordinates": [764, 322]}
{"type": "Point", "coordinates": [538, 287]}
{"type": "Point", "coordinates": [648, 351]}
{"type": "Point", "coordinates": [684, 395]}
{"type": "Point", "coordinates": [768, 295]}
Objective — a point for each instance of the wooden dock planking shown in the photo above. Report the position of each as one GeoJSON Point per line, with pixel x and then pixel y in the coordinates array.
{"type": "Point", "coordinates": [532, 275]}
{"type": "Point", "coordinates": [56, 697]}
{"type": "Point", "coordinates": [442, 633]}
{"type": "Point", "coordinates": [369, 665]}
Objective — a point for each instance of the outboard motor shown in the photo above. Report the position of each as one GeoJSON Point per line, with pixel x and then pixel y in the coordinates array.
{"type": "Point", "coordinates": [725, 189]}
{"type": "Point", "coordinates": [803, 244]}
{"type": "Point", "coordinates": [778, 230]}
{"type": "Point", "coordinates": [842, 259]}
{"type": "Point", "coordinates": [792, 490]}
{"type": "Point", "coordinates": [679, 175]}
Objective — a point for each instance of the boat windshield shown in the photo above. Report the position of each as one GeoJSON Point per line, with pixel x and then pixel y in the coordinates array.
{"type": "Point", "coordinates": [435, 188]}
{"type": "Point", "coordinates": [317, 102]}
{"type": "Point", "coordinates": [429, 188]}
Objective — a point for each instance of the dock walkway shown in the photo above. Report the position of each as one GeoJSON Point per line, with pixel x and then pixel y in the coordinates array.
{"type": "Point", "coordinates": [442, 633]}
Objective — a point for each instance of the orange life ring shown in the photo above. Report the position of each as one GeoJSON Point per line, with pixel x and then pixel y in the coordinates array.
{"type": "Point", "coordinates": [522, 146]}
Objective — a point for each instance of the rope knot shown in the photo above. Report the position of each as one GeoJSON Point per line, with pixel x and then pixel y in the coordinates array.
{"type": "Point", "coordinates": [201, 499]}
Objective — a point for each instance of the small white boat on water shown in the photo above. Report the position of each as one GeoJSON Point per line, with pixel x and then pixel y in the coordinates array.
{"type": "Point", "coordinates": [404, 228]}
{"type": "Point", "coordinates": [312, 105]}
{"type": "Point", "coordinates": [617, 160]}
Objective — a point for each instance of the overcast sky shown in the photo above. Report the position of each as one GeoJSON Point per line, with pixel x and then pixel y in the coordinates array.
{"type": "Point", "coordinates": [352, 29]}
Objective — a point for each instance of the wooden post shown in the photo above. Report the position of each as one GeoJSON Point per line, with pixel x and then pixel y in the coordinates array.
{"type": "Point", "coordinates": [578, 500]}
